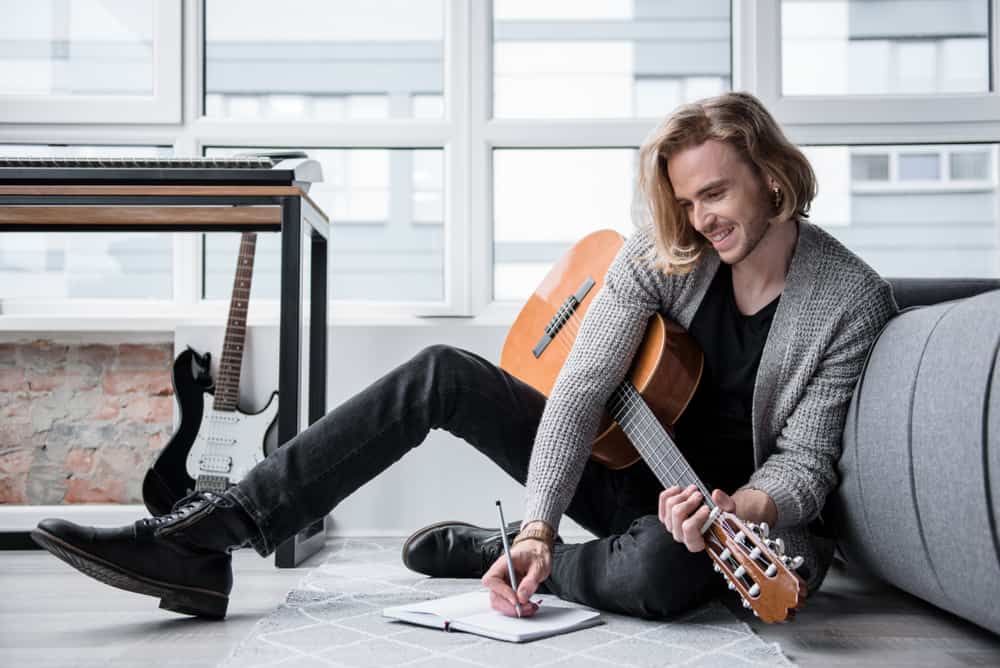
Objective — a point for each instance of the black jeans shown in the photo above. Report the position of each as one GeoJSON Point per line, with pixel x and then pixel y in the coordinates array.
{"type": "Point", "coordinates": [634, 568]}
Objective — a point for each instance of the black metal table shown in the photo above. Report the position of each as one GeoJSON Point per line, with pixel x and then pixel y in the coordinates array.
{"type": "Point", "coordinates": [215, 208]}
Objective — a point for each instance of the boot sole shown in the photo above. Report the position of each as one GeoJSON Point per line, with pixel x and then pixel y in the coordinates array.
{"type": "Point", "coordinates": [185, 600]}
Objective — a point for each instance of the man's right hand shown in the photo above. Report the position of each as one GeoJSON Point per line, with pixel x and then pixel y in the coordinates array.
{"type": "Point", "coordinates": [532, 564]}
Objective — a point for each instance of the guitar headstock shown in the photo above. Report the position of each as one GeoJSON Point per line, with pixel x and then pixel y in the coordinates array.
{"type": "Point", "coordinates": [756, 567]}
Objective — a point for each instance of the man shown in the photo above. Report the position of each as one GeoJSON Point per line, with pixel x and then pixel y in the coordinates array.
{"type": "Point", "coordinates": [784, 313]}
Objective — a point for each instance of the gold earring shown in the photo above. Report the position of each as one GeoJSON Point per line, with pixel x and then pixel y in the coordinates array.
{"type": "Point", "coordinates": [777, 197]}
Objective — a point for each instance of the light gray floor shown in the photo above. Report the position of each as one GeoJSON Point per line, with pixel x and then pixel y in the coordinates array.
{"type": "Point", "coordinates": [50, 615]}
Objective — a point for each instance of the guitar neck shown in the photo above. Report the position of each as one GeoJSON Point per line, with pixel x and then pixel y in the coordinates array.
{"type": "Point", "coordinates": [227, 383]}
{"type": "Point", "coordinates": [653, 442]}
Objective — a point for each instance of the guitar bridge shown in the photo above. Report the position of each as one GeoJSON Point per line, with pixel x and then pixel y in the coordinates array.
{"type": "Point", "coordinates": [561, 316]}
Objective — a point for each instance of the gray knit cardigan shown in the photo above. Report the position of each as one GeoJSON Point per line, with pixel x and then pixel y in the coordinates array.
{"type": "Point", "coordinates": [832, 307]}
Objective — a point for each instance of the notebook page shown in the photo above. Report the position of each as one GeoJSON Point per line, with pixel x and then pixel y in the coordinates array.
{"type": "Point", "coordinates": [448, 608]}
{"type": "Point", "coordinates": [549, 620]}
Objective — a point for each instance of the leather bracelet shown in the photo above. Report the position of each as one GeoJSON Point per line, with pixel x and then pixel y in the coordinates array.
{"type": "Point", "coordinates": [542, 532]}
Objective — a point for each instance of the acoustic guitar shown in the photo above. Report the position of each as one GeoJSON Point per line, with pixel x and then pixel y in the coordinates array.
{"type": "Point", "coordinates": [637, 423]}
{"type": "Point", "coordinates": [214, 446]}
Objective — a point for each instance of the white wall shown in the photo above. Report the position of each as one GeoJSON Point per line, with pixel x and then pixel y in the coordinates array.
{"type": "Point", "coordinates": [444, 478]}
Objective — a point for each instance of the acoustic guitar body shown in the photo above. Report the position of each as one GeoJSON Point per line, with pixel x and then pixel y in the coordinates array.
{"type": "Point", "coordinates": [666, 367]}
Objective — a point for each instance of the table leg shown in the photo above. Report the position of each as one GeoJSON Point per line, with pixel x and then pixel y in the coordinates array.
{"type": "Point", "coordinates": [310, 539]}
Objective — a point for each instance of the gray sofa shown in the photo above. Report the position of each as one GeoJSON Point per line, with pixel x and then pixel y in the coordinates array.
{"type": "Point", "coordinates": [919, 499]}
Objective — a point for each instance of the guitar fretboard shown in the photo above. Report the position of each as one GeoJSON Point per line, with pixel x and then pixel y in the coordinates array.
{"type": "Point", "coordinates": [652, 441]}
{"type": "Point", "coordinates": [227, 384]}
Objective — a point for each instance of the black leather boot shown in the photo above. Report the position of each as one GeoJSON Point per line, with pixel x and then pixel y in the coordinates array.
{"type": "Point", "coordinates": [183, 557]}
{"type": "Point", "coordinates": [455, 549]}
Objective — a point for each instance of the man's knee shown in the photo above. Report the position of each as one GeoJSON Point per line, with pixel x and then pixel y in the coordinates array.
{"type": "Point", "coordinates": [669, 578]}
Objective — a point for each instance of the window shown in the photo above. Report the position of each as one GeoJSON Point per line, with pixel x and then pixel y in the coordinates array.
{"type": "Point", "coordinates": [915, 225]}
{"type": "Point", "coordinates": [349, 60]}
{"type": "Point", "coordinates": [919, 166]}
{"type": "Point", "coordinates": [90, 61]}
{"type": "Point", "coordinates": [869, 47]}
{"type": "Point", "coordinates": [130, 265]}
{"type": "Point", "coordinates": [467, 144]}
{"type": "Point", "coordinates": [547, 199]}
{"type": "Point", "coordinates": [387, 228]}
{"type": "Point", "coordinates": [866, 167]}
{"type": "Point", "coordinates": [614, 59]}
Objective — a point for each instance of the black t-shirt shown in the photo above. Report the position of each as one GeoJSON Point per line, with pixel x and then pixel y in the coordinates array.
{"type": "Point", "coordinates": [715, 431]}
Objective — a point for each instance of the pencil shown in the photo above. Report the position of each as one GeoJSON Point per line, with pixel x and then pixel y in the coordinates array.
{"type": "Point", "coordinates": [510, 563]}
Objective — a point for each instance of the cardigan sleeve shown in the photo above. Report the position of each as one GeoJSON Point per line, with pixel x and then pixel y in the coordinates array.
{"type": "Point", "coordinates": [611, 331]}
{"type": "Point", "coordinates": [801, 470]}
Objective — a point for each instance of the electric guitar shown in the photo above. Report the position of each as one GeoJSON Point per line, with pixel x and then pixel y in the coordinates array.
{"type": "Point", "coordinates": [662, 380]}
{"type": "Point", "coordinates": [214, 446]}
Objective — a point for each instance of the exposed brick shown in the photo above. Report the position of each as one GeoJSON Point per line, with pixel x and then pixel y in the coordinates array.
{"type": "Point", "coordinates": [117, 460]}
{"type": "Point", "coordinates": [16, 461]}
{"type": "Point", "coordinates": [161, 409]}
{"type": "Point", "coordinates": [57, 377]}
{"type": "Point", "coordinates": [82, 490]}
{"type": "Point", "coordinates": [80, 461]}
{"type": "Point", "coordinates": [157, 441]}
{"type": "Point", "coordinates": [97, 356]}
{"type": "Point", "coordinates": [43, 354]}
{"type": "Point", "coordinates": [16, 410]}
{"type": "Point", "coordinates": [13, 490]}
{"type": "Point", "coordinates": [12, 380]}
{"type": "Point", "coordinates": [109, 408]}
{"type": "Point", "coordinates": [144, 382]}
{"type": "Point", "coordinates": [136, 356]}
{"type": "Point", "coordinates": [8, 354]}
{"type": "Point", "coordinates": [15, 433]}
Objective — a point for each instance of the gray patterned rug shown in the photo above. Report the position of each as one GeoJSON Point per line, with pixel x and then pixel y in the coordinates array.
{"type": "Point", "coordinates": [333, 617]}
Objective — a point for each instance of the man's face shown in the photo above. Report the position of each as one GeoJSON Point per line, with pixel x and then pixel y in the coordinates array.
{"type": "Point", "coordinates": [721, 195]}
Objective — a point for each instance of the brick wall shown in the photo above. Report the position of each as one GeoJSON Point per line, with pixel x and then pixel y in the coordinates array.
{"type": "Point", "coordinates": [81, 423]}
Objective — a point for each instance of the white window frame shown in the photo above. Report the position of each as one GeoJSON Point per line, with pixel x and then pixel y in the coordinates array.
{"type": "Point", "coordinates": [163, 106]}
{"type": "Point", "coordinates": [468, 135]}
{"type": "Point", "coordinates": [846, 119]}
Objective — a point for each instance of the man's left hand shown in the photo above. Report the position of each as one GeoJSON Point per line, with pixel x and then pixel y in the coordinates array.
{"type": "Point", "coordinates": [683, 513]}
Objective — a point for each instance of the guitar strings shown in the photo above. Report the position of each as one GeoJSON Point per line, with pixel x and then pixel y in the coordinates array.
{"type": "Point", "coordinates": [622, 401]}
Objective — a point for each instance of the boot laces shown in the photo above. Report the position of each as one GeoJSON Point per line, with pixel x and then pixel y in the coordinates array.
{"type": "Point", "coordinates": [186, 506]}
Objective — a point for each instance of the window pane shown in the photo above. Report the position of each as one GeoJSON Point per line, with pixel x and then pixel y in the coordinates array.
{"type": "Point", "coordinates": [547, 199]}
{"type": "Point", "coordinates": [973, 166]}
{"type": "Point", "coordinates": [323, 60]}
{"type": "Point", "coordinates": [920, 228]}
{"type": "Point", "coordinates": [609, 59]}
{"type": "Point", "coordinates": [919, 167]}
{"type": "Point", "coordinates": [870, 167]}
{"type": "Point", "coordinates": [127, 265]}
{"type": "Point", "coordinates": [84, 47]}
{"type": "Point", "coordinates": [386, 228]}
{"type": "Point", "coordinates": [879, 47]}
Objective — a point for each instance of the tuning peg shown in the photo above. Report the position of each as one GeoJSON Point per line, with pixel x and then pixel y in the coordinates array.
{"type": "Point", "coordinates": [755, 614]}
{"type": "Point", "coordinates": [725, 554]}
{"type": "Point", "coordinates": [746, 604]}
{"type": "Point", "coordinates": [754, 591]}
{"type": "Point", "coordinates": [730, 585]}
{"type": "Point", "coordinates": [740, 537]}
{"type": "Point", "coordinates": [795, 562]}
{"type": "Point", "coordinates": [764, 529]}
{"type": "Point", "coordinates": [755, 552]}
{"type": "Point", "coordinates": [739, 572]}
{"type": "Point", "coordinates": [715, 567]}
{"type": "Point", "coordinates": [779, 545]}
{"type": "Point", "coordinates": [771, 570]}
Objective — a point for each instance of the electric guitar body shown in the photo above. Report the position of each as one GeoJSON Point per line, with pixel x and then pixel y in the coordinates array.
{"type": "Point", "coordinates": [216, 443]}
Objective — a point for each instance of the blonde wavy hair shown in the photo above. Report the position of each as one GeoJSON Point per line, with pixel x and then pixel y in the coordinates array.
{"type": "Point", "coordinates": [740, 120]}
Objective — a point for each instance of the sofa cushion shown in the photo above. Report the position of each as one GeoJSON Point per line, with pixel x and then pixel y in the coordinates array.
{"type": "Point", "coordinates": [920, 472]}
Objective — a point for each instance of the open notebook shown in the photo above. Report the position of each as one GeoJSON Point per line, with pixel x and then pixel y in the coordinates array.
{"type": "Point", "coordinates": [471, 612]}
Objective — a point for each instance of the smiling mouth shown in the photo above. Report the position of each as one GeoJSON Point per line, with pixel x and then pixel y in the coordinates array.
{"type": "Point", "coordinates": [720, 236]}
